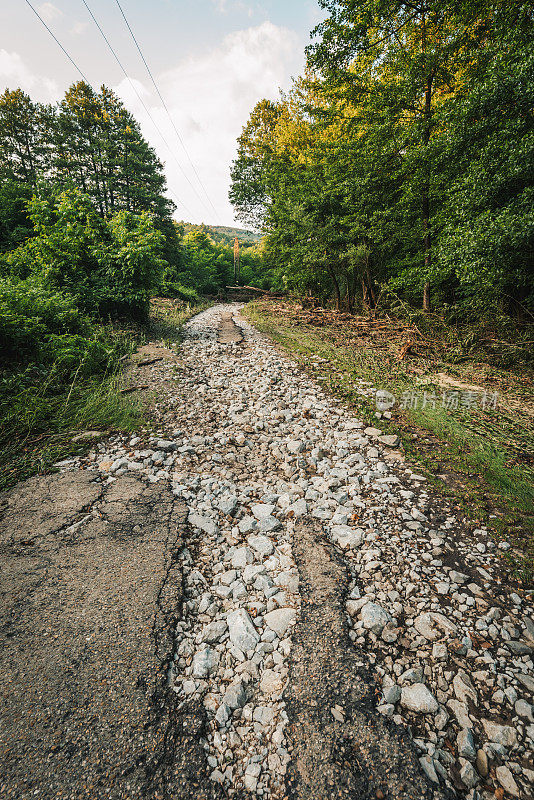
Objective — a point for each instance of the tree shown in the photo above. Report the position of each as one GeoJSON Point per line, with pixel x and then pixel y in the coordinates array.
{"type": "Point", "coordinates": [250, 192]}
{"type": "Point", "coordinates": [106, 265]}
{"type": "Point", "coordinates": [20, 137]}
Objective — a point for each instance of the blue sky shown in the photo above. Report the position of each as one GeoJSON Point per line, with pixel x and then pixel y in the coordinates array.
{"type": "Point", "coordinates": [212, 59]}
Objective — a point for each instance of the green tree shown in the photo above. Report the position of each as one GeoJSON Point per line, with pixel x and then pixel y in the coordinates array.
{"type": "Point", "coordinates": [21, 150]}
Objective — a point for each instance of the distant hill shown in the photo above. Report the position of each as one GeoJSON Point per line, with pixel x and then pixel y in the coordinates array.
{"type": "Point", "coordinates": [223, 234]}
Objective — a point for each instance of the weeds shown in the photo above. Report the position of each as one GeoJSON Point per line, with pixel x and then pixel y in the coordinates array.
{"type": "Point", "coordinates": [43, 407]}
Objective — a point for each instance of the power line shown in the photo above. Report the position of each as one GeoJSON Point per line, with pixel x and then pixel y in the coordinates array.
{"type": "Point", "coordinates": [117, 59]}
{"type": "Point", "coordinates": [166, 109]}
{"type": "Point", "coordinates": [77, 68]}
{"type": "Point", "coordinates": [74, 64]}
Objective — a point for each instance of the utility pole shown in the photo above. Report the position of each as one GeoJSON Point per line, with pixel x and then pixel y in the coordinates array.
{"type": "Point", "coordinates": [236, 260]}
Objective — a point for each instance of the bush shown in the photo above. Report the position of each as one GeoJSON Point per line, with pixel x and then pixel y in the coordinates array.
{"type": "Point", "coordinates": [175, 289]}
{"type": "Point", "coordinates": [34, 319]}
{"type": "Point", "coordinates": [109, 266]}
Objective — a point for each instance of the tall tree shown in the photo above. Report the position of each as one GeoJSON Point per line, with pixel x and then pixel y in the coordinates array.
{"type": "Point", "coordinates": [21, 150]}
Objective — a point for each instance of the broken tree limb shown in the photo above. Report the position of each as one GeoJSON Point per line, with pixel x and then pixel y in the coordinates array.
{"type": "Point", "coordinates": [148, 361]}
{"type": "Point", "coordinates": [248, 288]}
{"type": "Point", "coordinates": [130, 389]}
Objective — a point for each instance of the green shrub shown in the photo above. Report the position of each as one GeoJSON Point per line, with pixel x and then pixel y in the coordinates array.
{"type": "Point", "coordinates": [33, 319]}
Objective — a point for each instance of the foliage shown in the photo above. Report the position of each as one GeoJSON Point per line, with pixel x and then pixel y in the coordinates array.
{"type": "Point", "coordinates": [400, 164]}
{"type": "Point", "coordinates": [105, 265]}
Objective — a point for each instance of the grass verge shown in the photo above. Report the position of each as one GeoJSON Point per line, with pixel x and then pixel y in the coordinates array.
{"type": "Point", "coordinates": [483, 457]}
{"type": "Point", "coordinates": [167, 317]}
{"type": "Point", "coordinates": [45, 408]}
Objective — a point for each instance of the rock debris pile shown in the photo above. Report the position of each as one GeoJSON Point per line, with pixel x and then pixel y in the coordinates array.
{"type": "Point", "coordinates": [250, 444]}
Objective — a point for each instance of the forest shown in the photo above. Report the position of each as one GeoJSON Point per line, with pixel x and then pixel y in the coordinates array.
{"type": "Point", "coordinates": [87, 237]}
{"type": "Point", "coordinates": [398, 171]}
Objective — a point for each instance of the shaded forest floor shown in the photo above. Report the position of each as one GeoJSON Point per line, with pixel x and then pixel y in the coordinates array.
{"type": "Point", "coordinates": [45, 419]}
{"type": "Point", "coordinates": [463, 410]}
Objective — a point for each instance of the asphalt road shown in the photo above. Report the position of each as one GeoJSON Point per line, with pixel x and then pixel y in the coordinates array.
{"type": "Point", "coordinates": [87, 613]}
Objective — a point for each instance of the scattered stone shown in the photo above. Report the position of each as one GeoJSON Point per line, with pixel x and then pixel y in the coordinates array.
{"type": "Point", "coordinates": [213, 632]}
{"type": "Point", "coordinates": [280, 620]}
{"type": "Point", "coordinates": [374, 617]}
{"type": "Point", "coordinates": [481, 764]}
{"type": "Point", "coordinates": [466, 744]}
{"type": "Point", "coordinates": [500, 734]}
{"type": "Point", "coordinates": [506, 779]}
{"type": "Point", "coordinates": [389, 440]}
{"type": "Point", "coordinates": [236, 695]}
{"type": "Point", "coordinates": [204, 523]}
{"type": "Point", "coordinates": [264, 447]}
{"type": "Point", "coordinates": [242, 632]}
{"type": "Point", "coordinates": [418, 698]}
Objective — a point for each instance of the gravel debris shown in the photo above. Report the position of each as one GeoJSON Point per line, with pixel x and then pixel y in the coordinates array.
{"type": "Point", "coordinates": [250, 443]}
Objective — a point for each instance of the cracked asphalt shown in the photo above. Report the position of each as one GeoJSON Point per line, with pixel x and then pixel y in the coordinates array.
{"type": "Point", "coordinates": [91, 591]}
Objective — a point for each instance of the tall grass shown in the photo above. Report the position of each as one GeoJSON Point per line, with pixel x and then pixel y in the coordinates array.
{"type": "Point", "coordinates": [42, 407]}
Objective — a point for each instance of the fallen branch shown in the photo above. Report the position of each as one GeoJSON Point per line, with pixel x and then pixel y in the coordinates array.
{"type": "Point", "coordinates": [148, 361]}
{"type": "Point", "coordinates": [134, 388]}
{"type": "Point", "coordinates": [249, 288]}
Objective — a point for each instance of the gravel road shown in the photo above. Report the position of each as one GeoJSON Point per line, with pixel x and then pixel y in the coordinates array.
{"type": "Point", "coordinates": [257, 597]}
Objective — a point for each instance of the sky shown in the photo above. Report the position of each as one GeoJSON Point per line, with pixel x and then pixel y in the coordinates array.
{"type": "Point", "coordinates": [212, 60]}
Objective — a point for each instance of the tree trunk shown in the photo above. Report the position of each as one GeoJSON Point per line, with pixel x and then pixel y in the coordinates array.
{"type": "Point", "coordinates": [426, 186]}
{"type": "Point", "coordinates": [336, 286]}
{"type": "Point", "coordinates": [426, 246]}
{"type": "Point", "coordinates": [426, 296]}
{"type": "Point", "coordinates": [349, 293]}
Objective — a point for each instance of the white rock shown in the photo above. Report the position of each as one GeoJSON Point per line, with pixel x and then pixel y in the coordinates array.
{"type": "Point", "coordinates": [297, 509]}
{"type": "Point", "coordinates": [247, 524]}
{"type": "Point", "coordinates": [264, 715]}
{"type": "Point", "coordinates": [346, 537]}
{"type": "Point", "coordinates": [501, 734]}
{"type": "Point", "coordinates": [214, 631]}
{"type": "Point", "coordinates": [524, 709]}
{"type": "Point", "coordinates": [269, 524]}
{"type": "Point", "coordinates": [280, 620]}
{"type": "Point", "coordinates": [295, 446]}
{"type": "Point", "coordinates": [204, 523]}
{"type": "Point", "coordinates": [433, 625]}
{"type": "Point", "coordinates": [205, 662]}
{"type": "Point", "coordinates": [464, 689]}
{"type": "Point", "coordinates": [468, 775]}
{"type": "Point", "coordinates": [261, 544]}
{"type": "Point", "coordinates": [466, 744]}
{"type": "Point", "coordinates": [241, 557]}
{"type": "Point", "coordinates": [427, 764]}
{"type": "Point", "coordinates": [262, 510]}
{"type": "Point", "coordinates": [243, 634]}
{"type": "Point", "coordinates": [236, 695]}
{"type": "Point", "coordinates": [418, 698]}
{"type": "Point", "coordinates": [374, 617]}
{"type": "Point", "coordinates": [271, 682]}
{"type": "Point", "coordinates": [506, 779]}
{"type": "Point", "coordinates": [461, 713]}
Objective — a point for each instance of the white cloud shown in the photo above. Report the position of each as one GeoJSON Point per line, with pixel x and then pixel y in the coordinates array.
{"type": "Point", "coordinates": [79, 27]}
{"type": "Point", "coordinates": [49, 11]}
{"type": "Point", "coordinates": [224, 6]}
{"type": "Point", "coordinates": [210, 97]}
{"type": "Point", "coordinates": [14, 74]}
